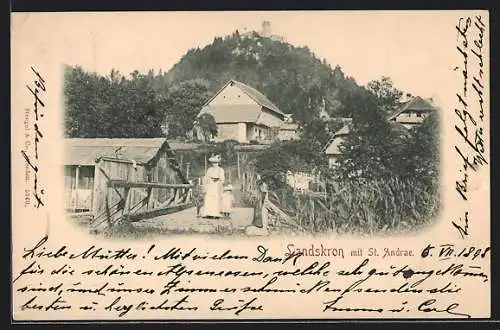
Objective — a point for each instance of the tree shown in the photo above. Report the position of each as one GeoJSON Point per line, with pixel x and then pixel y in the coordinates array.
{"type": "Point", "coordinates": [386, 94]}
{"type": "Point", "coordinates": [369, 149]}
{"type": "Point", "coordinates": [422, 152]}
{"type": "Point", "coordinates": [185, 101]}
{"type": "Point", "coordinates": [86, 100]}
{"type": "Point", "coordinates": [112, 106]}
{"type": "Point", "coordinates": [205, 127]}
{"type": "Point", "coordinates": [314, 134]}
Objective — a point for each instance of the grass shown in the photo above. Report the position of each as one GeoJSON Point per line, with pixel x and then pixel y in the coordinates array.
{"type": "Point", "coordinates": [371, 207]}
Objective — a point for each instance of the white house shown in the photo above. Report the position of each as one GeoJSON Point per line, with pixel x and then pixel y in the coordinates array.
{"type": "Point", "coordinates": [243, 114]}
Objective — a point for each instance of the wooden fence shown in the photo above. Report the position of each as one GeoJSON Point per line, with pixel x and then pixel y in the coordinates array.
{"type": "Point", "coordinates": [267, 213]}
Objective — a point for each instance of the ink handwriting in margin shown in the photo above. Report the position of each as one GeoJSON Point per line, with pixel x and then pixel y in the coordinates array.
{"type": "Point", "coordinates": [32, 159]}
{"type": "Point", "coordinates": [104, 281]}
{"type": "Point", "coordinates": [469, 110]}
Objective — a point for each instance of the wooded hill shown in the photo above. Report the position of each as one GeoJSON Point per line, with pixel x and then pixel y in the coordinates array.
{"type": "Point", "coordinates": [157, 103]}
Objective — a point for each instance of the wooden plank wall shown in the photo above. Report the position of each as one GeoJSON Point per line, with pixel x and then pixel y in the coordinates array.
{"type": "Point", "coordinates": [107, 169]}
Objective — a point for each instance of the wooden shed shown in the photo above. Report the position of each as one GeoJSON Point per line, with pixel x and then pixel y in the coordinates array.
{"type": "Point", "coordinates": [100, 172]}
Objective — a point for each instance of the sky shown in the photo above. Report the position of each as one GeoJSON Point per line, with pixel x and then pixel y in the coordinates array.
{"type": "Point", "coordinates": [415, 49]}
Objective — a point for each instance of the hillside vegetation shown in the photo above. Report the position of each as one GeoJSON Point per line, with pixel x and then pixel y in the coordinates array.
{"type": "Point", "coordinates": [378, 159]}
{"type": "Point", "coordinates": [166, 103]}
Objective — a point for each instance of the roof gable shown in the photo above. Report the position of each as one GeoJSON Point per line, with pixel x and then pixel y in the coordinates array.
{"type": "Point", "coordinates": [254, 94]}
{"type": "Point", "coordinates": [415, 104]}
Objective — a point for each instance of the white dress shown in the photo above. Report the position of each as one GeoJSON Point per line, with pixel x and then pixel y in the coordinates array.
{"type": "Point", "coordinates": [227, 201]}
{"type": "Point", "coordinates": [214, 179]}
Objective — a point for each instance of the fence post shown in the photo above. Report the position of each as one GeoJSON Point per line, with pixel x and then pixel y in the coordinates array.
{"type": "Point", "coordinates": [264, 211]}
{"type": "Point", "coordinates": [238, 161]}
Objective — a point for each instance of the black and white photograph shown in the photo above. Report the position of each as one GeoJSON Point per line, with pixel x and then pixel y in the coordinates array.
{"type": "Point", "coordinates": [176, 166]}
{"type": "Point", "coordinates": [251, 131]}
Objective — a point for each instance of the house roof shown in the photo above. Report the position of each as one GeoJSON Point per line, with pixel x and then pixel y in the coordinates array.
{"type": "Point", "coordinates": [332, 147]}
{"type": "Point", "coordinates": [415, 104]}
{"type": "Point", "coordinates": [269, 120]}
{"type": "Point", "coordinates": [254, 94]}
{"type": "Point", "coordinates": [258, 97]}
{"type": "Point", "coordinates": [232, 113]}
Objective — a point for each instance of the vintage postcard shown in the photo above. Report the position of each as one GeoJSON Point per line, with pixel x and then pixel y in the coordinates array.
{"type": "Point", "coordinates": [250, 165]}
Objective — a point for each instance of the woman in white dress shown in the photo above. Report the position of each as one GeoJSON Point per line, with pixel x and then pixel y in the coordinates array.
{"type": "Point", "coordinates": [214, 181]}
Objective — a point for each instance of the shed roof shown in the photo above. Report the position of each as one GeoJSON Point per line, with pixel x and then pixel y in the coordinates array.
{"type": "Point", "coordinates": [82, 151]}
{"type": "Point", "coordinates": [233, 113]}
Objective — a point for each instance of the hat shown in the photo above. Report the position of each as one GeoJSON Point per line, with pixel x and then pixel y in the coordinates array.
{"type": "Point", "coordinates": [228, 187]}
{"type": "Point", "coordinates": [215, 159]}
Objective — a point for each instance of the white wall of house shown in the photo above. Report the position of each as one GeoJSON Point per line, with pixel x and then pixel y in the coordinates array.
{"type": "Point", "coordinates": [258, 132]}
{"type": "Point", "coordinates": [242, 132]}
{"type": "Point", "coordinates": [232, 95]}
{"type": "Point", "coordinates": [411, 117]}
{"type": "Point", "coordinates": [231, 131]}
{"type": "Point", "coordinates": [285, 135]}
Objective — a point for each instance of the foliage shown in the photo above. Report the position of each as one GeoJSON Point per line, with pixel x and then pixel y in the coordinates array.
{"type": "Point", "coordinates": [226, 150]}
{"type": "Point", "coordinates": [291, 77]}
{"type": "Point", "coordinates": [386, 94]}
{"type": "Point", "coordinates": [360, 206]}
{"type": "Point", "coordinates": [422, 152]}
{"type": "Point", "coordinates": [371, 149]}
{"type": "Point", "coordinates": [111, 106]}
{"type": "Point", "coordinates": [205, 127]}
{"type": "Point", "coordinates": [295, 156]}
{"type": "Point", "coordinates": [184, 103]}
{"type": "Point", "coordinates": [378, 205]}
{"type": "Point", "coordinates": [314, 134]}
{"type": "Point", "coordinates": [166, 104]}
